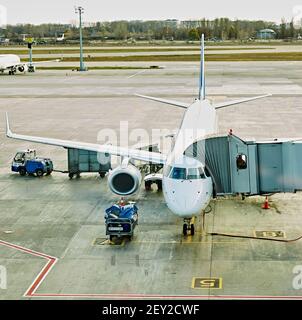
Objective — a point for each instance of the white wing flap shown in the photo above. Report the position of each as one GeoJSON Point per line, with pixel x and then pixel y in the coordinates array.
{"type": "Point", "coordinates": [142, 155]}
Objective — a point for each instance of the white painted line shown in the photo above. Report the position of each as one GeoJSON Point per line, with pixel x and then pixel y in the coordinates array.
{"type": "Point", "coordinates": [137, 73]}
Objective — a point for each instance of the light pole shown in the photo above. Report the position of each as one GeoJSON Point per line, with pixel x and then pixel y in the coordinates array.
{"type": "Point", "coordinates": [31, 67]}
{"type": "Point", "coordinates": [80, 11]}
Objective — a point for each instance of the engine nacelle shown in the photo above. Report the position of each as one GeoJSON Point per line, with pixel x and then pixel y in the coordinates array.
{"type": "Point", "coordinates": [124, 180]}
{"type": "Point", "coordinates": [23, 68]}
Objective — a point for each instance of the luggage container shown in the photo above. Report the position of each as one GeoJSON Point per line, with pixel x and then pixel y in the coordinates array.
{"type": "Point", "coordinates": [87, 161]}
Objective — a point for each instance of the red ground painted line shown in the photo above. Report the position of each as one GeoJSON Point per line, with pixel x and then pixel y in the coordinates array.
{"type": "Point", "coordinates": [31, 292]}
{"type": "Point", "coordinates": [51, 262]}
{"type": "Point", "coordinates": [32, 252]}
{"type": "Point", "coordinates": [146, 296]}
{"type": "Point", "coordinates": [258, 297]}
{"type": "Point", "coordinates": [117, 296]}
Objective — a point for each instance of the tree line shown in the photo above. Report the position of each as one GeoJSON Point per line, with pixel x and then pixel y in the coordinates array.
{"type": "Point", "coordinates": [220, 29]}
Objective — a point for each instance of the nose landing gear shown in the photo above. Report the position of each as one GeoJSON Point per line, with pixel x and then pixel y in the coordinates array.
{"type": "Point", "coordinates": [189, 226]}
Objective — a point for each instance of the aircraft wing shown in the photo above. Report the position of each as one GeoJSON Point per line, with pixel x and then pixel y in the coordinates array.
{"type": "Point", "coordinates": [142, 155]}
{"type": "Point", "coordinates": [231, 103]}
{"type": "Point", "coordinates": [28, 63]}
{"type": "Point", "coordinates": [43, 62]}
{"type": "Point", "coordinates": [14, 66]}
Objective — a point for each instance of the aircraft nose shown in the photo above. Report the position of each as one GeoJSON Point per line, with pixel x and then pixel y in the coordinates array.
{"type": "Point", "coordinates": [184, 199]}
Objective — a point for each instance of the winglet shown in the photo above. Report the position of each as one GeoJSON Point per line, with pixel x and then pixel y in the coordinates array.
{"type": "Point", "coordinates": [8, 131]}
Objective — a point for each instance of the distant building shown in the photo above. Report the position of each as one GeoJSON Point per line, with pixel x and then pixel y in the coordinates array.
{"type": "Point", "coordinates": [190, 24]}
{"type": "Point", "coordinates": [266, 34]}
{"type": "Point", "coordinates": [298, 23]}
{"type": "Point", "coordinates": [173, 23]}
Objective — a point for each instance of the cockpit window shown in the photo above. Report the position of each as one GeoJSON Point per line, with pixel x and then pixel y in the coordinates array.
{"type": "Point", "coordinates": [178, 173]}
{"type": "Point", "coordinates": [184, 173]}
{"type": "Point", "coordinates": [195, 173]}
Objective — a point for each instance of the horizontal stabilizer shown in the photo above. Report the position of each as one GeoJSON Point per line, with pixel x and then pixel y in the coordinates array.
{"type": "Point", "coordinates": [231, 103]}
{"type": "Point", "coordinates": [171, 102]}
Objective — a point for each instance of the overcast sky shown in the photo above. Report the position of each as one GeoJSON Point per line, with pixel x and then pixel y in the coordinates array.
{"type": "Point", "coordinates": [62, 11]}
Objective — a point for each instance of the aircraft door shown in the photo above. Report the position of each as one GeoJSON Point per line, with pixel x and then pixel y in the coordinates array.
{"type": "Point", "coordinates": [239, 163]}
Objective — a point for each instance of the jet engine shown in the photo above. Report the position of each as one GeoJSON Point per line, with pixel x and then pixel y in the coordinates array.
{"type": "Point", "coordinates": [124, 180]}
{"type": "Point", "coordinates": [23, 68]}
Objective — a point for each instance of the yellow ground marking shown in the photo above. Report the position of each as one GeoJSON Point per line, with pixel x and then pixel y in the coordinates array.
{"type": "Point", "coordinates": [206, 283]}
{"type": "Point", "coordinates": [192, 242]}
{"type": "Point", "coordinates": [108, 242]}
{"type": "Point", "coordinates": [270, 233]}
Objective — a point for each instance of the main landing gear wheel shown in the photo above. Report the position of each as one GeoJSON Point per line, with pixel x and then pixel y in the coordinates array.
{"type": "Point", "coordinates": [159, 185]}
{"type": "Point", "coordinates": [188, 226]}
{"type": "Point", "coordinates": [148, 185]}
{"type": "Point", "coordinates": [192, 230]}
{"type": "Point", "coordinates": [185, 229]}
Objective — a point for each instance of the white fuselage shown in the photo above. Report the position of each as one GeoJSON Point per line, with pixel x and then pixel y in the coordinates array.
{"type": "Point", "coordinates": [186, 187]}
{"type": "Point", "coordinates": [8, 61]}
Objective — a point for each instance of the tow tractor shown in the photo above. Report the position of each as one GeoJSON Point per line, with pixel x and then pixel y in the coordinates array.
{"type": "Point", "coordinates": [26, 162]}
{"type": "Point", "coordinates": [121, 219]}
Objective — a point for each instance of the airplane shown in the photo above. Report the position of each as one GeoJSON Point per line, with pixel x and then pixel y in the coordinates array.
{"type": "Point", "coordinates": [187, 185]}
{"type": "Point", "coordinates": [4, 41]}
{"type": "Point", "coordinates": [61, 38]}
{"type": "Point", "coordinates": [12, 63]}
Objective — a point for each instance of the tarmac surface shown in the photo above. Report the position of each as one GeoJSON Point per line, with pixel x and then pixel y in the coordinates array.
{"type": "Point", "coordinates": [52, 233]}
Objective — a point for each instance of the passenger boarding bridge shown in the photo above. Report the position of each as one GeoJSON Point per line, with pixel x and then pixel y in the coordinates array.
{"type": "Point", "coordinates": [250, 167]}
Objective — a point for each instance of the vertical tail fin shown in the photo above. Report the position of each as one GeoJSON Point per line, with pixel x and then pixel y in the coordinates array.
{"type": "Point", "coordinates": [202, 87]}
